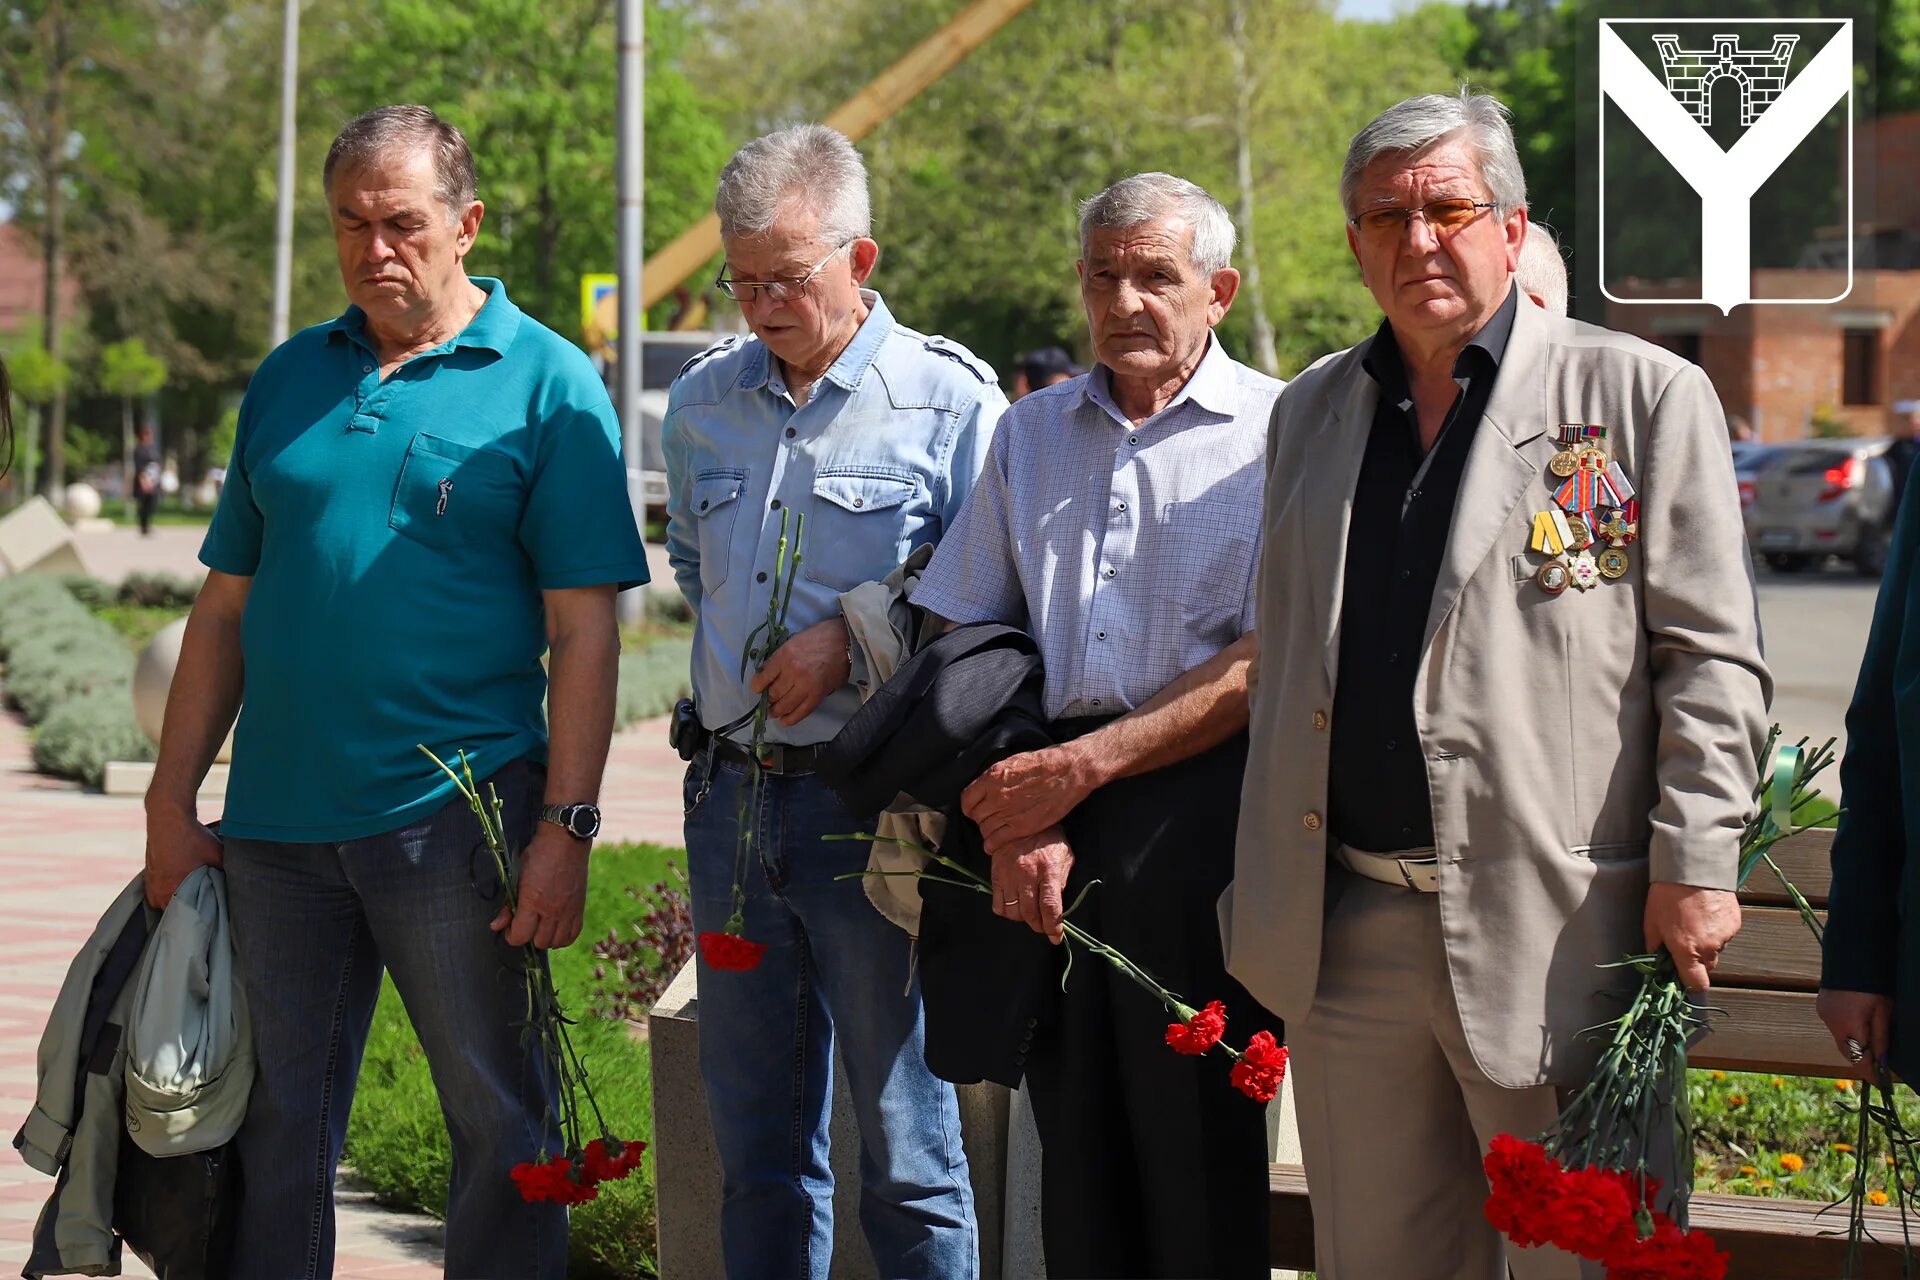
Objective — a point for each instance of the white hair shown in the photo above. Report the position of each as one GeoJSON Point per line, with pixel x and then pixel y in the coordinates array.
{"type": "Point", "coordinates": [1542, 271]}
{"type": "Point", "coordinates": [807, 162]}
{"type": "Point", "coordinates": [1415, 124]}
{"type": "Point", "coordinates": [1148, 196]}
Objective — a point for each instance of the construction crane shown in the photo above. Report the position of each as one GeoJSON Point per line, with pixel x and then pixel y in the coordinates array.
{"type": "Point", "coordinates": [885, 94]}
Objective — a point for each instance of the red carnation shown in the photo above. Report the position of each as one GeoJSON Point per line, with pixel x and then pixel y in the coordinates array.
{"type": "Point", "coordinates": [1593, 1215]}
{"type": "Point", "coordinates": [605, 1161]}
{"type": "Point", "coordinates": [1669, 1254]}
{"type": "Point", "coordinates": [731, 952]}
{"type": "Point", "coordinates": [551, 1180]}
{"type": "Point", "coordinates": [1200, 1032]}
{"type": "Point", "coordinates": [1524, 1181]}
{"type": "Point", "coordinates": [1261, 1068]}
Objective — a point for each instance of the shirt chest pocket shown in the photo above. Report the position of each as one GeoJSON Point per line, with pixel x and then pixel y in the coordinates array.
{"type": "Point", "coordinates": [715, 502]}
{"type": "Point", "coordinates": [450, 494]}
{"type": "Point", "coordinates": [860, 525]}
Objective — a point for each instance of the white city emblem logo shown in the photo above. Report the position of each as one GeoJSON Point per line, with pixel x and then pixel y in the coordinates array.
{"type": "Point", "coordinates": [1777, 113]}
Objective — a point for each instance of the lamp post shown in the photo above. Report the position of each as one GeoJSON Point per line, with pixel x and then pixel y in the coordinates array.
{"type": "Point", "coordinates": [632, 170]}
{"type": "Point", "coordinates": [283, 215]}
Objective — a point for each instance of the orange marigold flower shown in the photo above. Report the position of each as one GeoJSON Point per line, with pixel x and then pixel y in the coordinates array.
{"type": "Point", "coordinates": [1718, 1075]}
{"type": "Point", "coordinates": [1765, 1184]}
{"type": "Point", "coordinates": [1779, 1083]}
{"type": "Point", "coordinates": [1876, 1197]}
{"type": "Point", "coordinates": [1748, 1170]}
{"type": "Point", "coordinates": [1843, 1086]}
{"type": "Point", "coordinates": [1792, 1163]}
{"type": "Point", "coordinates": [1736, 1099]}
{"type": "Point", "coordinates": [1843, 1146]}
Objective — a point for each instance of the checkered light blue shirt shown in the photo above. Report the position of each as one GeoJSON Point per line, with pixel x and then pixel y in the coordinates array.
{"type": "Point", "coordinates": [1128, 552]}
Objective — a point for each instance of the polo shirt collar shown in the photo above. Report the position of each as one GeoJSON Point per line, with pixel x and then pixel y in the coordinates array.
{"type": "Point", "coordinates": [850, 369]}
{"type": "Point", "coordinates": [1210, 385]}
{"type": "Point", "coordinates": [492, 327]}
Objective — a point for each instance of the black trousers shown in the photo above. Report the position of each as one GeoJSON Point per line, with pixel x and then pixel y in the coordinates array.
{"type": "Point", "coordinates": [1153, 1164]}
{"type": "Point", "coordinates": [145, 504]}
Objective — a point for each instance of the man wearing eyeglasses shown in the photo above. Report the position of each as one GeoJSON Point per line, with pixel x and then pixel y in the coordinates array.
{"type": "Point", "coordinates": [873, 433]}
{"type": "Point", "coordinates": [1511, 693]}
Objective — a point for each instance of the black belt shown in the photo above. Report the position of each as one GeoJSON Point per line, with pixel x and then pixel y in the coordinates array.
{"type": "Point", "coordinates": [775, 757]}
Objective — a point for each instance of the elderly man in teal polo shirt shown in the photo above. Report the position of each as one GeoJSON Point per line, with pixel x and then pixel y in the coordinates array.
{"type": "Point", "coordinates": [426, 495]}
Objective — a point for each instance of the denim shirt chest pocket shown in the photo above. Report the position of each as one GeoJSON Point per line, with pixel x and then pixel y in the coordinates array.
{"type": "Point", "coordinates": [860, 524]}
{"type": "Point", "coordinates": [715, 503]}
{"type": "Point", "coordinates": [450, 494]}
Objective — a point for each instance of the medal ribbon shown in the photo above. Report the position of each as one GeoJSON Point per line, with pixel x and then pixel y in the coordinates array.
{"type": "Point", "coordinates": [1622, 488]}
{"type": "Point", "coordinates": [1549, 532]}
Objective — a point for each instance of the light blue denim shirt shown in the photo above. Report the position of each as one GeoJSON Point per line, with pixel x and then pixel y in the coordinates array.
{"type": "Point", "coordinates": [879, 459]}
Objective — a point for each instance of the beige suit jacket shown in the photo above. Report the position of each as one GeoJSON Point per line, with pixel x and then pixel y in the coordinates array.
{"type": "Point", "coordinates": [1575, 745]}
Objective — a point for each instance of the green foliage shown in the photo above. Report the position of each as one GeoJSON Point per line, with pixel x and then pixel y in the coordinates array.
{"type": "Point", "coordinates": [652, 679]}
{"type": "Point", "coordinates": [37, 377]}
{"type": "Point", "coordinates": [221, 439]}
{"type": "Point", "coordinates": [84, 733]}
{"type": "Point", "coordinates": [92, 592]}
{"type": "Point", "coordinates": [1746, 1124]}
{"type": "Point", "coordinates": [158, 589]}
{"type": "Point", "coordinates": [397, 1140]}
{"type": "Point", "coordinates": [129, 370]}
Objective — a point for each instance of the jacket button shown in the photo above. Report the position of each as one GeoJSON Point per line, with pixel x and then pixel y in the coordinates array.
{"type": "Point", "coordinates": [1319, 719]}
{"type": "Point", "coordinates": [1033, 1022]}
{"type": "Point", "coordinates": [1311, 821]}
{"type": "Point", "coordinates": [859, 502]}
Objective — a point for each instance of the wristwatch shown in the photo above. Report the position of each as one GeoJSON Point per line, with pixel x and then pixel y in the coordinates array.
{"type": "Point", "coordinates": [581, 821]}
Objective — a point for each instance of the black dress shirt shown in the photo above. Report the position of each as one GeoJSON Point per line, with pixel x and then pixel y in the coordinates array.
{"type": "Point", "coordinates": [1377, 797]}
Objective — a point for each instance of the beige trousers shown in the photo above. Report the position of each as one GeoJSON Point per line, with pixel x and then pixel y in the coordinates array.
{"type": "Point", "coordinates": [1394, 1114]}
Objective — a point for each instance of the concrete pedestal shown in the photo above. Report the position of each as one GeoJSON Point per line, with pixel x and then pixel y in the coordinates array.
{"type": "Point", "coordinates": [1003, 1154]}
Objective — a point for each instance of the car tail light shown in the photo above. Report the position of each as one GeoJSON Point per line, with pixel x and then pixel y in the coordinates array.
{"type": "Point", "coordinates": [1746, 494]}
{"type": "Point", "coordinates": [1840, 479]}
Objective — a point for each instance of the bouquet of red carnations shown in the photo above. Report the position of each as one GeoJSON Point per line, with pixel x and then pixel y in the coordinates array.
{"type": "Point", "coordinates": [569, 1170]}
{"type": "Point", "coordinates": [1585, 1187]}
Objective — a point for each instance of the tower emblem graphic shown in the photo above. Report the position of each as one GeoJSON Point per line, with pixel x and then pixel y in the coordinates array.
{"type": "Point", "coordinates": [1779, 107]}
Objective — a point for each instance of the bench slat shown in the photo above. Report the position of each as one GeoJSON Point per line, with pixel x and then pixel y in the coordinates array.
{"type": "Point", "coordinates": [1806, 859]}
{"type": "Point", "coordinates": [1771, 1031]}
{"type": "Point", "coordinates": [1774, 950]}
{"type": "Point", "coordinates": [1290, 1218]}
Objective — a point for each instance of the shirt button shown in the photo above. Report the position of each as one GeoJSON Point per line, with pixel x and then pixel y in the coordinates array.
{"type": "Point", "coordinates": [1311, 821]}
{"type": "Point", "coordinates": [790, 433]}
{"type": "Point", "coordinates": [366, 368]}
{"type": "Point", "coordinates": [761, 576]}
{"type": "Point", "coordinates": [1110, 572]}
{"type": "Point", "coordinates": [1133, 439]}
{"type": "Point", "coordinates": [1120, 506]}
{"type": "Point", "coordinates": [775, 504]}
{"type": "Point", "coordinates": [1406, 831]}
{"type": "Point", "coordinates": [704, 504]}
{"type": "Point", "coordinates": [859, 502]}
{"type": "Point", "coordinates": [1392, 658]}
{"type": "Point", "coordinates": [1405, 574]}
{"type": "Point", "coordinates": [1392, 744]}
{"type": "Point", "coordinates": [1319, 719]}
{"type": "Point", "coordinates": [1096, 702]}
{"type": "Point", "coordinates": [1099, 635]}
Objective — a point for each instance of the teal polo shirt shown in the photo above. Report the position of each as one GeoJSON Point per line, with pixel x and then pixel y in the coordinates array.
{"type": "Point", "coordinates": [399, 535]}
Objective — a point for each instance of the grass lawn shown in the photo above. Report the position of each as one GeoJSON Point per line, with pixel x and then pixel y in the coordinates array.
{"type": "Point", "coordinates": [138, 622]}
{"type": "Point", "coordinates": [120, 511]}
{"type": "Point", "coordinates": [397, 1139]}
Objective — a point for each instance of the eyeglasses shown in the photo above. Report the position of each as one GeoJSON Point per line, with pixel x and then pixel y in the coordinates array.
{"type": "Point", "coordinates": [775, 290]}
{"type": "Point", "coordinates": [1443, 216]}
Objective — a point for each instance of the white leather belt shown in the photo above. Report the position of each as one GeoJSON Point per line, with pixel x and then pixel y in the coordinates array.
{"type": "Point", "coordinates": [1416, 869]}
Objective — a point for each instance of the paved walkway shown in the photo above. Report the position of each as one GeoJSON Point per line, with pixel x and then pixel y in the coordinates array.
{"type": "Point", "coordinates": [65, 854]}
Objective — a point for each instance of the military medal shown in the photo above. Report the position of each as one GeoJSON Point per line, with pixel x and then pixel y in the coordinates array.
{"type": "Point", "coordinates": [1612, 563]}
{"type": "Point", "coordinates": [1565, 463]}
{"type": "Point", "coordinates": [1579, 533]}
{"type": "Point", "coordinates": [1583, 572]}
{"type": "Point", "coordinates": [1553, 577]}
{"type": "Point", "coordinates": [1620, 528]}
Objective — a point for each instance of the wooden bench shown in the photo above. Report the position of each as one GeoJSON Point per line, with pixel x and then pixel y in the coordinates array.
{"type": "Point", "coordinates": [1764, 986]}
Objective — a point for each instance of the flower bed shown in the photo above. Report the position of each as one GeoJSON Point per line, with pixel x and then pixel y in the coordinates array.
{"type": "Point", "coordinates": [70, 674]}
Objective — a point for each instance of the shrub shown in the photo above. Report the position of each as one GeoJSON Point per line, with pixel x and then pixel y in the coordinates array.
{"type": "Point", "coordinates": [634, 971]}
{"type": "Point", "coordinates": [84, 733]}
{"type": "Point", "coordinates": [158, 590]}
{"type": "Point", "coordinates": [30, 602]}
{"type": "Point", "coordinates": [652, 680]}
{"type": "Point", "coordinates": [89, 591]}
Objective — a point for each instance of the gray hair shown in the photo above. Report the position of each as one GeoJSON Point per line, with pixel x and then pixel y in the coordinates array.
{"type": "Point", "coordinates": [1147, 196]}
{"type": "Point", "coordinates": [806, 161]}
{"type": "Point", "coordinates": [1418, 123]}
{"type": "Point", "coordinates": [1542, 271]}
{"type": "Point", "coordinates": [384, 130]}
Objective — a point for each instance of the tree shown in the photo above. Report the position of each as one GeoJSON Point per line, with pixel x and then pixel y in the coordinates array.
{"type": "Point", "coordinates": [39, 378]}
{"type": "Point", "coordinates": [131, 372]}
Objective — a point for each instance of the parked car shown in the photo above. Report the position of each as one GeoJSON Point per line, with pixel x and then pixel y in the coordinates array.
{"type": "Point", "coordinates": [1817, 498]}
{"type": "Point", "coordinates": [1748, 458]}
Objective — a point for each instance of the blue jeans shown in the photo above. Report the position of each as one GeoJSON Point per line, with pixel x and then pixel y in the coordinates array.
{"type": "Point", "coordinates": [835, 969]}
{"type": "Point", "coordinates": [313, 926]}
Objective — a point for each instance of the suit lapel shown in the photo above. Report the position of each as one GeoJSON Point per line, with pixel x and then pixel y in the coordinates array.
{"type": "Point", "coordinates": [1499, 470]}
{"type": "Point", "coordinates": [1328, 502]}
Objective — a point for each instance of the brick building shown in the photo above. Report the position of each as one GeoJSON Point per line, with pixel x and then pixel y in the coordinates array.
{"type": "Point", "coordinates": [1852, 361]}
{"type": "Point", "coordinates": [23, 279]}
